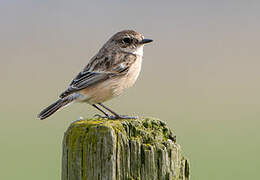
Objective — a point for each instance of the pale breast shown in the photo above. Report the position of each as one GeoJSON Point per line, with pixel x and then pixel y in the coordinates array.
{"type": "Point", "coordinates": [133, 72]}
{"type": "Point", "coordinates": [129, 79]}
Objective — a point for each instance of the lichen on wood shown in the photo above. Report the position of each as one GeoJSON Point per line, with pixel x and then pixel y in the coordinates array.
{"type": "Point", "coordinates": [141, 149]}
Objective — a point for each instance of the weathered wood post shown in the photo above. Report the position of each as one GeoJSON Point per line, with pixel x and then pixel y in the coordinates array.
{"type": "Point", "coordinates": [142, 149]}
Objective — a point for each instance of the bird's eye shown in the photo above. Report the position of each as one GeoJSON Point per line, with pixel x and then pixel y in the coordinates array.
{"type": "Point", "coordinates": [127, 40]}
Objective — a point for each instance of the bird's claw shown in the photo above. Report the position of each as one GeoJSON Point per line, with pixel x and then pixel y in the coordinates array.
{"type": "Point", "coordinates": [97, 115]}
{"type": "Point", "coordinates": [115, 117]}
{"type": "Point", "coordinates": [103, 117]}
{"type": "Point", "coordinates": [125, 117]}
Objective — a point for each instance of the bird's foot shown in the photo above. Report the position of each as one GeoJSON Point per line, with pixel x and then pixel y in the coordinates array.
{"type": "Point", "coordinates": [121, 117]}
{"type": "Point", "coordinates": [110, 117]}
{"type": "Point", "coordinates": [99, 116]}
{"type": "Point", "coordinates": [125, 117]}
{"type": "Point", "coordinates": [105, 117]}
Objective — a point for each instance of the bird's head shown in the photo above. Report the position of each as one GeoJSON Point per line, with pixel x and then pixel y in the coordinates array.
{"type": "Point", "coordinates": [128, 41]}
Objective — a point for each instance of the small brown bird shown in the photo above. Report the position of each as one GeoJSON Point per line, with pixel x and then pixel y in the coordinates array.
{"type": "Point", "coordinates": [112, 70]}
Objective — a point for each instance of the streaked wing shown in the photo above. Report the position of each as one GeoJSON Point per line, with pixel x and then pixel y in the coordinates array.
{"type": "Point", "coordinates": [84, 80]}
{"type": "Point", "coordinates": [100, 68]}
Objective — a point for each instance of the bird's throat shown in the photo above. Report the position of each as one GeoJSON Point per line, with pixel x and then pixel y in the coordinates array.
{"type": "Point", "coordinates": [139, 51]}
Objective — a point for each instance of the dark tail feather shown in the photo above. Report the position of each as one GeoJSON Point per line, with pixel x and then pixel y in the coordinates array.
{"type": "Point", "coordinates": [53, 108]}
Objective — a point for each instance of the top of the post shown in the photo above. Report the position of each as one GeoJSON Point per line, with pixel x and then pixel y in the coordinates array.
{"type": "Point", "coordinates": [148, 130]}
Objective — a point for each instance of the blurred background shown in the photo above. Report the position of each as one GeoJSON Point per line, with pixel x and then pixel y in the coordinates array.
{"type": "Point", "coordinates": [201, 75]}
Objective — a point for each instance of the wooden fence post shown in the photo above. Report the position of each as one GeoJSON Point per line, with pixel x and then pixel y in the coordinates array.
{"type": "Point", "coordinates": [141, 149]}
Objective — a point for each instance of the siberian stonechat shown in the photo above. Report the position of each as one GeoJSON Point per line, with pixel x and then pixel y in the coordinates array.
{"type": "Point", "coordinates": [112, 70]}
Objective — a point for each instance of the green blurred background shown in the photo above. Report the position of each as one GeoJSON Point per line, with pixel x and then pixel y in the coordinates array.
{"type": "Point", "coordinates": [201, 75]}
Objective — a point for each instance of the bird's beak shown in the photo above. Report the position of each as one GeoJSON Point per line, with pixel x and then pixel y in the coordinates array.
{"type": "Point", "coordinates": [145, 41]}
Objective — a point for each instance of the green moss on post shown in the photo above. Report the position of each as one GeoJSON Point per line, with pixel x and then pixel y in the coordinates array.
{"type": "Point", "coordinates": [142, 149]}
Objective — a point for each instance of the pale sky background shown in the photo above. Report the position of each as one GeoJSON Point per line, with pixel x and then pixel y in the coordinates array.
{"type": "Point", "coordinates": [201, 75]}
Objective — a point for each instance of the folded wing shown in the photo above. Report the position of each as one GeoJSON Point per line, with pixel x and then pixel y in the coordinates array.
{"type": "Point", "coordinates": [99, 70]}
{"type": "Point", "coordinates": [84, 80]}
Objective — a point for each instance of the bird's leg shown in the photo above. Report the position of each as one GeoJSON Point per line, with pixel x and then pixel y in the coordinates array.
{"type": "Point", "coordinates": [117, 116]}
{"type": "Point", "coordinates": [107, 115]}
{"type": "Point", "coordinates": [110, 110]}
{"type": "Point", "coordinates": [104, 112]}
